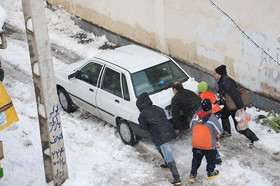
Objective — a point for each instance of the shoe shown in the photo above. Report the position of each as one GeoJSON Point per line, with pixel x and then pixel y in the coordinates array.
{"type": "Point", "coordinates": [250, 145]}
{"type": "Point", "coordinates": [164, 166]}
{"type": "Point", "coordinates": [218, 161]}
{"type": "Point", "coordinates": [225, 134]}
{"type": "Point", "coordinates": [192, 178]}
{"type": "Point", "coordinates": [254, 143]}
{"type": "Point", "coordinates": [177, 183]}
{"type": "Point", "coordinates": [213, 174]}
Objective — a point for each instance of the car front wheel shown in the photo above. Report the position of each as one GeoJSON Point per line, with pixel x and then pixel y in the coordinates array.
{"type": "Point", "coordinates": [126, 133]}
{"type": "Point", "coordinates": [65, 100]}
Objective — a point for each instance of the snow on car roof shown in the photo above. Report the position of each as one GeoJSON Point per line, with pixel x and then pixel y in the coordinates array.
{"type": "Point", "coordinates": [133, 57]}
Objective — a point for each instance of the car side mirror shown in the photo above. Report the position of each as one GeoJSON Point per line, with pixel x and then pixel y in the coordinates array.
{"type": "Point", "coordinates": [74, 75]}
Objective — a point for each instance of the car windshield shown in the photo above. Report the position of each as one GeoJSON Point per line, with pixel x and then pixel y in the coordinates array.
{"type": "Point", "coordinates": [157, 78]}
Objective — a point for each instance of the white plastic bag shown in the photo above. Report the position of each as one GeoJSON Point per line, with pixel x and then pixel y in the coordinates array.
{"type": "Point", "coordinates": [243, 118]}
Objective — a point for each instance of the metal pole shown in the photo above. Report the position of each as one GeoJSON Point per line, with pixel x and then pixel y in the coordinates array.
{"type": "Point", "coordinates": [45, 90]}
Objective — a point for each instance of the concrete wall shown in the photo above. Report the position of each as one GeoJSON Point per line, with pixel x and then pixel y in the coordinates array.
{"type": "Point", "coordinates": [201, 33]}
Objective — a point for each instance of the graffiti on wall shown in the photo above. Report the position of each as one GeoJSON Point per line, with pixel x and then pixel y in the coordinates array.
{"type": "Point", "coordinates": [244, 34]}
{"type": "Point", "coordinates": [264, 59]}
{"type": "Point", "coordinates": [260, 59]}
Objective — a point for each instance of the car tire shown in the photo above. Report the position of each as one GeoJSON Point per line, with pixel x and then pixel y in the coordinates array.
{"type": "Point", "coordinates": [65, 100]}
{"type": "Point", "coordinates": [126, 133]}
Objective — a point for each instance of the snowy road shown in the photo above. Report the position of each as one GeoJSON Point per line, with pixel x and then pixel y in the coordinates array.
{"type": "Point", "coordinates": [95, 154]}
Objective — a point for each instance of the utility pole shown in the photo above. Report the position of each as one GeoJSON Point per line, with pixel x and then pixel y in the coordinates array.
{"type": "Point", "coordinates": [45, 91]}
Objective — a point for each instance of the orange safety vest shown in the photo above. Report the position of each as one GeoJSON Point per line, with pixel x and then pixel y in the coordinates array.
{"type": "Point", "coordinates": [213, 99]}
{"type": "Point", "coordinates": [8, 113]}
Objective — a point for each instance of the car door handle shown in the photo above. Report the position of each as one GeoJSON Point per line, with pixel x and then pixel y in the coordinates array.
{"type": "Point", "coordinates": [91, 90]}
{"type": "Point", "coordinates": [117, 101]}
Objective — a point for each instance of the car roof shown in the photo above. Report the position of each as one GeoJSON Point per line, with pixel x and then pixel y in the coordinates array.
{"type": "Point", "coordinates": [133, 57]}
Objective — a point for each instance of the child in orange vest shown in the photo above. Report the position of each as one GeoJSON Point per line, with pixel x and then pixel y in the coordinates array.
{"type": "Point", "coordinates": [205, 128]}
{"type": "Point", "coordinates": [204, 94]}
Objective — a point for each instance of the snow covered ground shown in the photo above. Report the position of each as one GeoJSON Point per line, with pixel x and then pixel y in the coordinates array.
{"type": "Point", "coordinates": [94, 151]}
{"type": "Point", "coordinates": [3, 17]}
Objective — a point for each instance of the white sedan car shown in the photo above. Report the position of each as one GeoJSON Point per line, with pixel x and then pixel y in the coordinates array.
{"type": "Point", "coordinates": [108, 86]}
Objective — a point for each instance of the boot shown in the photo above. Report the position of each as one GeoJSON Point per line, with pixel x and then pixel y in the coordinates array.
{"type": "Point", "coordinates": [192, 177]}
{"type": "Point", "coordinates": [226, 125]}
{"type": "Point", "coordinates": [224, 134]}
{"type": "Point", "coordinates": [164, 166]}
{"type": "Point", "coordinates": [218, 161]}
{"type": "Point", "coordinates": [176, 176]}
{"type": "Point", "coordinates": [213, 174]}
{"type": "Point", "coordinates": [250, 135]}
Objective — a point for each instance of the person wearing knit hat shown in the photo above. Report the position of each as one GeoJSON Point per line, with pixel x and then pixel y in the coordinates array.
{"type": "Point", "coordinates": [210, 103]}
{"type": "Point", "coordinates": [205, 126]}
{"type": "Point", "coordinates": [206, 105]}
{"type": "Point", "coordinates": [222, 70]}
{"type": "Point", "coordinates": [227, 85]}
{"type": "Point", "coordinates": [204, 93]}
{"type": "Point", "coordinates": [202, 86]}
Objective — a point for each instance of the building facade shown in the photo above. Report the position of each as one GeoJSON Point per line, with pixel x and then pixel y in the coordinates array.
{"type": "Point", "coordinates": [243, 35]}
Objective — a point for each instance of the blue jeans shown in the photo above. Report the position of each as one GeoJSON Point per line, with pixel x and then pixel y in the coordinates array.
{"type": "Point", "coordinates": [166, 151]}
{"type": "Point", "coordinates": [218, 154]}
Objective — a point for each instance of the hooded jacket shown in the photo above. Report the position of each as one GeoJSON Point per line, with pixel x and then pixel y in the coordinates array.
{"type": "Point", "coordinates": [228, 85]}
{"type": "Point", "coordinates": [153, 119]}
{"type": "Point", "coordinates": [205, 127]}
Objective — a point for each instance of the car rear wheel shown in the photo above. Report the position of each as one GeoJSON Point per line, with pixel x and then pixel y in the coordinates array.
{"type": "Point", "coordinates": [126, 133]}
{"type": "Point", "coordinates": [65, 100]}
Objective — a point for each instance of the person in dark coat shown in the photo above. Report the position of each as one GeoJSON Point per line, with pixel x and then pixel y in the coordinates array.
{"type": "Point", "coordinates": [228, 85]}
{"type": "Point", "coordinates": [153, 119]}
{"type": "Point", "coordinates": [184, 101]}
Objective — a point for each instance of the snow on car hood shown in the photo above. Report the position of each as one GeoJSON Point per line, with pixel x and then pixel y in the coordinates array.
{"type": "Point", "coordinates": [164, 97]}
{"type": "Point", "coordinates": [3, 17]}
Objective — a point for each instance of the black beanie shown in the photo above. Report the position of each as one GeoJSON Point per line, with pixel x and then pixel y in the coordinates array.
{"type": "Point", "coordinates": [206, 105]}
{"type": "Point", "coordinates": [221, 70]}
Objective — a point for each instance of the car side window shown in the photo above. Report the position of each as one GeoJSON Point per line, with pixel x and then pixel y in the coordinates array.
{"type": "Point", "coordinates": [90, 73]}
{"type": "Point", "coordinates": [125, 88]}
{"type": "Point", "coordinates": [111, 82]}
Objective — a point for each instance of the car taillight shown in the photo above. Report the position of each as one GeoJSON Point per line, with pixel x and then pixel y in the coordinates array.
{"type": "Point", "coordinates": [0, 64]}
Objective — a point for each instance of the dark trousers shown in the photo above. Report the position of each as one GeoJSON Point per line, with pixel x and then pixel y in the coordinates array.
{"type": "Point", "coordinates": [226, 124]}
{"type": "Point", "coordinates": [198, 154]}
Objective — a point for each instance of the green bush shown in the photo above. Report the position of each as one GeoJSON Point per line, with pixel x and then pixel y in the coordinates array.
{"type": "Point", "coordinates": [272, 120]}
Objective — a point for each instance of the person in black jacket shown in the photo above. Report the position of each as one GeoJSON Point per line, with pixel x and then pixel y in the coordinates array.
{"type": "Point", "coordinates": [153, 119]}
{"type": "Point", "coordinates": [228, 85]}
{"type": "Point", "coordinates": [184, 102]}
